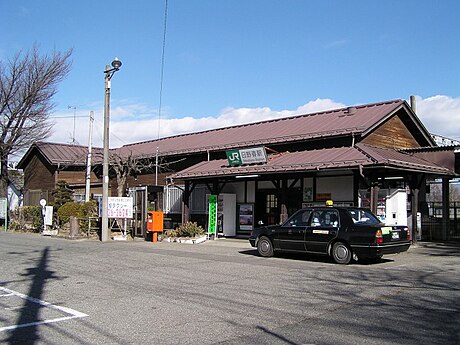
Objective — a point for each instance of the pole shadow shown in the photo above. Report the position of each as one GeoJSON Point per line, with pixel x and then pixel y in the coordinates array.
{"type": "Point", "coordinates": [30, 311]}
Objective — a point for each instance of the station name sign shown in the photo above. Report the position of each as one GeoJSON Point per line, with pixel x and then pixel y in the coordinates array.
{"type": "Point", "coordinates": [246, 156]}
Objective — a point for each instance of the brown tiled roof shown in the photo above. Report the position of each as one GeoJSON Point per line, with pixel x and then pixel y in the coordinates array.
{"type": "Point", "coordinates": [343, 157]}
{"type": "Point", "coordinates": [346, 121]}
{"type": "Point", "coordinates": [63, 154]}
{"type": "Point", "coordinates": [395, 158]}
{"type": "Point", "coordinates": [357, 120]}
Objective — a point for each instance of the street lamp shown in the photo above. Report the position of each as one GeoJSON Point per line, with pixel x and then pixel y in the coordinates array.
{"type": "Point", "coordinates": [109, 72]}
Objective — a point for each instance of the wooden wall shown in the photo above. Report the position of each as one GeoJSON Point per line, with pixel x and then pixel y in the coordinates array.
{"type": "Point", "coordinates": [38, 175]}
{"type": "Point", "coordinates": [392, 134]}
{"type": "Point", "coordinates": [76, 177]}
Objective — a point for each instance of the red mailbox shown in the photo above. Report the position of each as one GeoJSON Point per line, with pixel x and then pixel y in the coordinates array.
{"type": "Point", "coordinates": [155, 223]}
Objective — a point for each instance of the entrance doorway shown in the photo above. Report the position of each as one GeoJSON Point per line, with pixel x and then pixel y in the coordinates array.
{"type": "Point", "coordinates": [266, 208]}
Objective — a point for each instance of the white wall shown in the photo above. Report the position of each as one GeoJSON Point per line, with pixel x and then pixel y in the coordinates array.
{"type": "Point", "coordinates": [340, 187]}
{"type": "Point", "coordinates": [238, 189]}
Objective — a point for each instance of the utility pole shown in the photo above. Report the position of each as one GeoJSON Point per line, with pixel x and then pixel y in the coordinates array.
{"type": "Point", "coordinates": [105, 234]}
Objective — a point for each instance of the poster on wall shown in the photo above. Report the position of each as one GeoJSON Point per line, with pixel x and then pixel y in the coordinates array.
{"type": "Point", "coordinates": [246, 216]}
{"type": "Point", "coordinates": [307, 193]}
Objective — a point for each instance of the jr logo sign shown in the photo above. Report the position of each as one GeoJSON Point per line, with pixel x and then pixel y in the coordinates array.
{"type": "Point", "coordinates": [246, 156]}
{"type": "Point", "coordinates": [233, 157]}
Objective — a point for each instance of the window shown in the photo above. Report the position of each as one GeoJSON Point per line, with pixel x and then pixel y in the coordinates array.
{"type": "Point", "coordinates": [325, 218]}
{"type": "Point", "coordinates": [299, 219]}
{"type": "Point", "coordinates": [361, 216]}
{"type": "Point", "coordinates": [271, 202]}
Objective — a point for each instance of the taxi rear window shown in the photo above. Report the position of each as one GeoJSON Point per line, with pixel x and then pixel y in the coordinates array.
{"type": "Point", "coordinates": [360, 216]}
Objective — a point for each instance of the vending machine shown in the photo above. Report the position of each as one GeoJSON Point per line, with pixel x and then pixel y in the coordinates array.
{"type": "Point", "coordinates": [396, 208]}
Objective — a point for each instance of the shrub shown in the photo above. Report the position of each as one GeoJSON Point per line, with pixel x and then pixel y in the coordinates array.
{"type": "Point", "coordinates": [62, 194]}
{"type": "Point", "coordinates": [171, 233]}
{"type": "Point", "coordinates": [69, 209]}
{"type": "Point", "coordinates": [88, 209]}
{"type": "Point", "coordinates": [189, 229]}
{"type": "Point", "coordinates": [33, 216]}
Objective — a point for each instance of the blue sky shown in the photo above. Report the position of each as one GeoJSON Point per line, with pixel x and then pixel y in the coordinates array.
{"type": "Point", "coordinates": [229, 62]}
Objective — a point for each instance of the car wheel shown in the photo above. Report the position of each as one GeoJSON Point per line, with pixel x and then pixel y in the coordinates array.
{"type": "Point", "coordinates": [341, 253]}
{"type": "Point", "coordinates": [265, 247]}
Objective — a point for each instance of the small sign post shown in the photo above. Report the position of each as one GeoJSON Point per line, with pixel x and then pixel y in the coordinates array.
{"type": "Point", "coordinates": [4, 211]}
{"type": "Point", "coordinates": [43, 205]}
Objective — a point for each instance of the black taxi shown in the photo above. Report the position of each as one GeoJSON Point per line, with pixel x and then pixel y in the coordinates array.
{"type": "Point", "coordinates": [345, 233]}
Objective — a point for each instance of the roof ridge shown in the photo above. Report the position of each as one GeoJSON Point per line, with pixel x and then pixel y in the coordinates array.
{"type": "Point", "coordinates": [361, 149]}
{"type": "Point", "coordinates": [38, 143]}
{"type": "Point", "coordinates": [331, 111]}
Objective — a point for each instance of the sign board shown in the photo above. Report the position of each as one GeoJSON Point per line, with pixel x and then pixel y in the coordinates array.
{"type": "Point", "coordinates": [4, 210]}
{"type": "Point", "coordinates": [48, 215]}
{"type": "Point", "coordinates": [246, 156]}
{"type": "Point", "coordinates": [246, 216]}
{"type": "Point", "coordinates": [323, 196]}
{"type": "Point", "coordinates": [120, 207]}
{"type": "Point", "coordinates": [212, 220]}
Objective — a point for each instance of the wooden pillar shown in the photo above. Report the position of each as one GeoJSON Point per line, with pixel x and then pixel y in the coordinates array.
{"type": "Point", "coordinates": [414, 211]}
{"type": "Point", "coordinates": [186, 203]}
{"type": "Point", "coordinates": [284, 212]}
{"type": "Point", "coordinates": [374, 197]}
{"type": "Point", "coordinates": [415, 182]}
{"type": "Point", "coordinates": [423, 206]}
{"type": "Point", "coordinates": [445, 208]}
{"type": "Point", "coordinates": [356, 177]}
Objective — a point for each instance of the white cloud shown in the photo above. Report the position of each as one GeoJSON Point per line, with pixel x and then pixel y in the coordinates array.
{"type": "Point", "coordinates": [148, 129]}
{"type": "Point", "coordinates": [131, 123]}
{"type": "Point", "coordinates": [440, 115]}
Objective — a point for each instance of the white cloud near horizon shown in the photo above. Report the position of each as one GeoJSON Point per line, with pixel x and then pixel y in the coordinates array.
{"type": "Point", "coordinates": [136, 122]}
{"type": "Point", "coordinates": [440, 114]}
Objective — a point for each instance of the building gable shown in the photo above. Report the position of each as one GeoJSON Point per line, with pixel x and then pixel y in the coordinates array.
{"type": "Point", "coordinates": [38, 175]}
{"type": "Point", "coordinates": [392, 134]}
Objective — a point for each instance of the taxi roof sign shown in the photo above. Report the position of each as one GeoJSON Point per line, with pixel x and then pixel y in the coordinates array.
{"type": "Point", "coordinates": [329, 203]}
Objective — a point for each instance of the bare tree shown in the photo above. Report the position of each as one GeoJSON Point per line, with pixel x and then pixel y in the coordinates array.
{"type": "Point", "coordinates": [131, 165]}
{"type": "Point", "coordinates": [28, 82]}
{"type": "Point", "coordinates": [125, 166]}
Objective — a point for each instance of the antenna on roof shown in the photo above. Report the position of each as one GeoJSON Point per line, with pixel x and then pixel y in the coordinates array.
{"type": "Point", "coordinates": [74, 107]}
{"type": "Point", "coordinates": [88, 159]}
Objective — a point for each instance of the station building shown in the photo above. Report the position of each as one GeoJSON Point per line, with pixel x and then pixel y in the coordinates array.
{"type": "Point", "coordinates": [376, 155]}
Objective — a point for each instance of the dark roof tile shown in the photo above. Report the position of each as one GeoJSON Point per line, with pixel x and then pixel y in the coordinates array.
{"type": "Point", "coordinates": [341, 158]}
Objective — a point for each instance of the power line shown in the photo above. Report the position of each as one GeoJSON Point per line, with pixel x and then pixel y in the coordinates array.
{"type": "Point", "coordinates": [162, 66]}
{"type": "Point", "coordinates": [161, 88]}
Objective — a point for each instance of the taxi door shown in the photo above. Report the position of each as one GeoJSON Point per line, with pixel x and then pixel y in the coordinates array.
{"type": "Point", "coordinates": [291, 235]}
{"type": "Point", "coordinates": [322, 229]}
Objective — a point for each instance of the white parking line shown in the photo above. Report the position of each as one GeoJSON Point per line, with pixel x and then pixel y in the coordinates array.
{"type": "Point", "coordinates": [73, 314]}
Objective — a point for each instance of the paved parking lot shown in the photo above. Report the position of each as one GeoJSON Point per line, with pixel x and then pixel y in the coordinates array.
{"type": "Point", "coordinates": [221, 292]}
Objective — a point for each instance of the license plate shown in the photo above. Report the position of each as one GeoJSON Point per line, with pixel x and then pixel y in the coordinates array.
{"type": "Point", "coordinates": [395, 235]}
